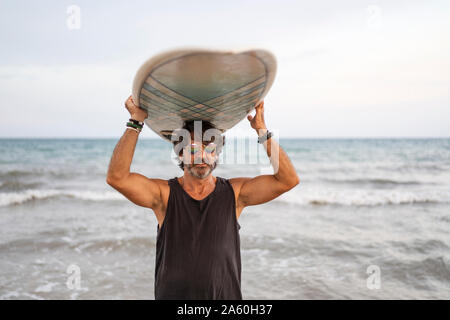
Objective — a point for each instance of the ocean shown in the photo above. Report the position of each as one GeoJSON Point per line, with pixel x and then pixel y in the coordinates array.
{"type": "Point", "coordinates": [370, 219]}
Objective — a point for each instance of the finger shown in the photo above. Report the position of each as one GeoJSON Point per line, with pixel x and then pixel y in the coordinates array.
{"type": "Point", "coordinates": [130, 103]}
{"type": "Point", "coordinates": [259, 109]}
{"type": "Point", "coordinates": [249, 117]}
{"type": "Point", "coordinates": [261, 105]}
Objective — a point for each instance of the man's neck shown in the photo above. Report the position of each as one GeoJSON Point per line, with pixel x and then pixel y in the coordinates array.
{"type": "Point", "coordinates": [198, 185]}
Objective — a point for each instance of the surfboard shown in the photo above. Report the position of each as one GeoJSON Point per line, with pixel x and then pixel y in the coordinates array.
{"type": "Point", "coordinates": [221, 87]}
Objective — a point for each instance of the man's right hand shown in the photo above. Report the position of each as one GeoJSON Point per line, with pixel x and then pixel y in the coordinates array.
{"type": "Point", "coordinates": [135, 112]}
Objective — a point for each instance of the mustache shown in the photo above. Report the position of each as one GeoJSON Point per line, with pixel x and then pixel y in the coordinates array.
{"type": "Point", "coordinates": [199, 163]}
{"type": "Point", "coordinates": [209, 165]}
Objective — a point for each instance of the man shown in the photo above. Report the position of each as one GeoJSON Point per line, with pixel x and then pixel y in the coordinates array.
{"type": "Point", "coordinates": [198, 245]}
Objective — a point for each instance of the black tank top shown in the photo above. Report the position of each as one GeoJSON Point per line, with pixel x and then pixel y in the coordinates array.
{"type": "Point", "coordinates": [198, 246]}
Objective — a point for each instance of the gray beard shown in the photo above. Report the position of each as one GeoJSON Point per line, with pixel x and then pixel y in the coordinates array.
{"type": "Point", "coordinates": [201, 173]}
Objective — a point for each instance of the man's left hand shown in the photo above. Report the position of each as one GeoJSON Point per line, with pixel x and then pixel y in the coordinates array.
{"type": "Point", "coordinates": [257, 121]}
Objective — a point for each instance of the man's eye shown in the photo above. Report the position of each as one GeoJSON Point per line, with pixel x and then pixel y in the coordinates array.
{"type": "Point", "coordinates": [210, 148]}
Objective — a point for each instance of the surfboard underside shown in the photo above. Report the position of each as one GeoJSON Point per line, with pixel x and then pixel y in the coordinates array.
{"type": "Point", "coordinates": [219, 87]}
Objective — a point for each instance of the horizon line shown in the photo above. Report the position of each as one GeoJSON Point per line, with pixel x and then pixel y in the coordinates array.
{"type": "Point", "coordinates": [287, 137]}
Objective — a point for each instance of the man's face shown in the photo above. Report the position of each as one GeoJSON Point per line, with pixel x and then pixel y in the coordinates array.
{"type": "Point", "coordinates": [200, 158]}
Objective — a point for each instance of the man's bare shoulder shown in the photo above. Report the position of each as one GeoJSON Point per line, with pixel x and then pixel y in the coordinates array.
{"type": "Point", "coordinates": [163, 184]}
{"type": "Point", "coordinates": [237, 182]}
{"type": "Point", "coordinates": [164, 188]}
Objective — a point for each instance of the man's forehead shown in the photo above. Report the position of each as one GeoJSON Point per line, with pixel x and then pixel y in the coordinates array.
{"type": "Point", "coordinates": [201, 138]}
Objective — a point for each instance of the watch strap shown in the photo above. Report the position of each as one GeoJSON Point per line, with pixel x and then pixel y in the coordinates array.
{"type": "Point", "coordinates": [265, 137]}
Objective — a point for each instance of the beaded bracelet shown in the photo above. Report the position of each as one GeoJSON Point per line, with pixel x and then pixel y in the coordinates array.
{"type": "Point", "coordinates": [139, 123]}
{"type": "Point", "coordinates": [133, 126]}
{"type": "Point", "coordinates": [138, 131]}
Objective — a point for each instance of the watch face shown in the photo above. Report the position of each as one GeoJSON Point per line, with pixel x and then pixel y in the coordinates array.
{"type": "Point", "coordinates": [265, 137]}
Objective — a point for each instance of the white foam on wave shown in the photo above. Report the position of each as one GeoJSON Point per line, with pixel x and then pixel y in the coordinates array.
{"type": "Point", "coordinates": [301, 196]}
{"type": "Point", "coordinates": [14, 198]}
{"type": "Point", "coordinates": [362, 197]}
{"type": "Point", "coordinates": [48, 287]}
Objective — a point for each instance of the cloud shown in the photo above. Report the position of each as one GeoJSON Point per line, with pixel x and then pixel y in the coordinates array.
{"type": "Point", "coordinates": [335, 69]}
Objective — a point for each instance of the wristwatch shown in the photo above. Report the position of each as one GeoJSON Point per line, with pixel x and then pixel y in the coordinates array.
{"type": "Point", "coordinates": [265, 136]}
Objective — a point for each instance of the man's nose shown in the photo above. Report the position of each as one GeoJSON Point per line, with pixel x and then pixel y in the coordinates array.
{"type": "Point", "coordinates": [200, 155]}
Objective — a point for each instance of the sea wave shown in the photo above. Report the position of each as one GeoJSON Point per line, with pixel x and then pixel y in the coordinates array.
{"type": "Point", "coordinates": [77, 243]}
{"type": "Point", "coordinates": [17, 198]}
{"type": "Point", "coordinates": [5, 175]}
{"type": "Point", "coordinates": [326, 196]}
{"type": "Point", "coordinates": [435, 267]}
{"type": "Point", "coordinates": [53, 173]}
{"type": "Point", "coordinates": [374, 181]}
{"type": "Point", "coordinates": [17, 185]}
{"type": "Point", "coordinates": [308, 197]}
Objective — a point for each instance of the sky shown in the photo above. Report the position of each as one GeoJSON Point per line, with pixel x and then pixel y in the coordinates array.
{"type": "Point", "coordinates": [345, 68]}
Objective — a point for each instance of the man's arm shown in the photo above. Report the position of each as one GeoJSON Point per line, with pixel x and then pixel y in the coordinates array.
{"type": "Point", "coordinates": [137, 188]}
{"type": "Point", "coordinates": [263, 188]}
